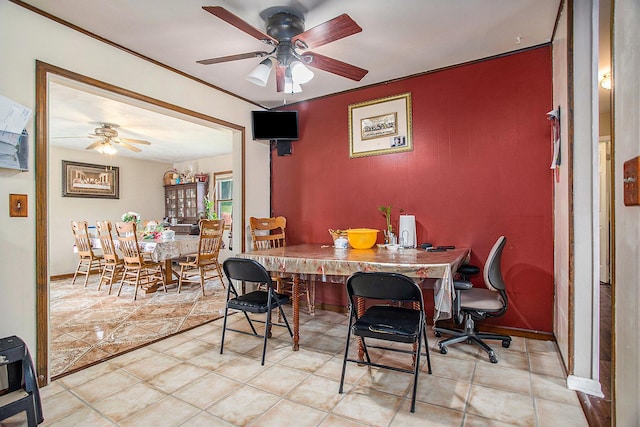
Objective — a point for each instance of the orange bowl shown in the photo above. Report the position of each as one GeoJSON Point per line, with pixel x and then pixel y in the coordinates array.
{"type": "Point", "coordinates": [362, 238]}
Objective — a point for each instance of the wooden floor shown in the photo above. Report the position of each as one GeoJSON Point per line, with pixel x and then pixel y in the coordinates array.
{"type": "Point", "coordinates": [598, 410]}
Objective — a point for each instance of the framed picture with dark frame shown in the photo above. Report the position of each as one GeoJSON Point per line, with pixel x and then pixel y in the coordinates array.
{"type": "Point", "coordinates": [380, 126]}
{"type": "Point", "coordinates": [89, 180]}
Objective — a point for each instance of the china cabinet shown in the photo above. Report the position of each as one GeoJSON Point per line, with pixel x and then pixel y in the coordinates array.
{"type": "Point", "coordinates": [184, 201]}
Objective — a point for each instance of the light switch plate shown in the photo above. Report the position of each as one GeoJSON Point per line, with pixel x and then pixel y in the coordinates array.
{"type": "Point", "coordinates": [630, 180]}
{"type": "Point", "coordinates": [18, 205]}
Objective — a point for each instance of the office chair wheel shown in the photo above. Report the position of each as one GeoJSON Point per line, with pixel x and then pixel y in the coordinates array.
{"type": "Point", "coordinates": [493, 358]}
{"type": "Point", "coordinates": [443, 349]}
{"type": "Point", "coordinates": [437, 334]}
{"type": "Point", "coordinates": [506, 343]}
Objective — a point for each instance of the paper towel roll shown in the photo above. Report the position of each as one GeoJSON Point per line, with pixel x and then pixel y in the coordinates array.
{"type": "Point", "coordinates": [407, 231]}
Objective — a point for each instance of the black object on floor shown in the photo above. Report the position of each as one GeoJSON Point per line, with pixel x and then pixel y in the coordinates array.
{"type": "Point", "coordinates": [22, 393]}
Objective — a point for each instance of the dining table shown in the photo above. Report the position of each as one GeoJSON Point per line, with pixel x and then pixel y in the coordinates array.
{"type": "Point", "coordinates": [328, 264]}
{"type": "Point", "coordinates": [167, 250]}
{"type": "Point", "coordinates": [163, 249]}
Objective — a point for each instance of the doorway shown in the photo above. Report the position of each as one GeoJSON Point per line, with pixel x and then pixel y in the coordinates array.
{"type": "Point", "coordinates": [44, 73]}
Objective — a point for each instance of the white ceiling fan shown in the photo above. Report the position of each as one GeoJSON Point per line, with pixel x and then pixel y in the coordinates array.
{"type": "Point", "coordinates": [108, 137]}
{"type": "Point", "coordinates": [108, 140]}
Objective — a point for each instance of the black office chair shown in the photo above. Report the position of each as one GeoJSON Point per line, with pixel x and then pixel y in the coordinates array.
{"type": "Point", "coordinates": [479, 303]}
{"type": "Point", "coordinates": [388, 322]}
{"type": "Point", "coordinates": [467, 270]}
{"type": "Point", "coordinates": [258, 301]}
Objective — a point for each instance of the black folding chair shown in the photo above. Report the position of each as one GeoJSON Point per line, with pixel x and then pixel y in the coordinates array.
{"type": "Point", "coordinates": [258, 301]}
{"type": "Point", "coordinates": [402, 319]}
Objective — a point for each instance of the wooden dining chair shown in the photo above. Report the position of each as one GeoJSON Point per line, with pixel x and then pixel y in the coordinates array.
{"type": "Point", "coordinates": [139, 270]}
{"type": "Point", "coordinates": [86, 257]}
{"type": "Point", "coordinates": [113, 264]}
{"type": "Point", "coordinates": [268, 233]}
{"type": "Point", "coordinates": [206, 260]}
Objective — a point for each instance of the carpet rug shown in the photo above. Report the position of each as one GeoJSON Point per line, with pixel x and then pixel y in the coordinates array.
{"type": "Point", "coordinates": [88, 325]}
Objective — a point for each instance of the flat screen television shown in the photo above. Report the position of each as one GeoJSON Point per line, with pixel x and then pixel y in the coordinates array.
{"type": "Point", "coordinates": [275, 125]}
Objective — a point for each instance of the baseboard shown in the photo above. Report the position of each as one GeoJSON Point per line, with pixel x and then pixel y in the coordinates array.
{"type": "Point", "coordinates": [70, 275]}
{"type": "Point", "coordinates": [502, 330]}
{"type": "Point", "coordinates": [61, 277]}
{"type": "Point", "coordinates": [584, 385]}
{"type": "Point", "coordinates": [518, 332]}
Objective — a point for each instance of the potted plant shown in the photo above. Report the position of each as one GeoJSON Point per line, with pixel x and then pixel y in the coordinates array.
{"type": "Point", "coordinates": [209, 208]}
{"type": "Point", "coordinates": [389, 236]}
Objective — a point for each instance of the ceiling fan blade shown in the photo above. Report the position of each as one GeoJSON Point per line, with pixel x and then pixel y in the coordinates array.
{"type": "Point", "coordinates": [280, 70]}
{"type": "Point", "coordinates": [132, 141]}
{"type": "Point", "coordinates": [334, 66]}
{"type": "Point", "coordinates": [125, 145]}
{"type": "Point", "coordinates": [327, 32]}
{"type": "Point", "coordinates": [232, 19]}
{"type": "Point", "coordinates": [258, 54]}
{"type": "Point", "coordinates": [94, 145]}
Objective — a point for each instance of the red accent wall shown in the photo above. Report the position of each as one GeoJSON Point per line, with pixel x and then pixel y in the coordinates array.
{"type": "Point", "coordinates": [479, 169]}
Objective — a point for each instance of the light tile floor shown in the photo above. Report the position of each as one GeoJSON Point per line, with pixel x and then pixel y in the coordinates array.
{"type": "Point", "coordinates": [185, 381]}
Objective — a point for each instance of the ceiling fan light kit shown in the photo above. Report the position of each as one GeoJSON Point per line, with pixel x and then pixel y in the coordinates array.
{"type": "Point", "coordinates": [260, 74]}
{"type": "Point", "coordinates": [285, 33]}
{"type": "Point", "coordinates": [290, 84]}
{"type": "Point", "coordinates": [105, 147]}
{"type": "Point", "coordinates": [299, 73]}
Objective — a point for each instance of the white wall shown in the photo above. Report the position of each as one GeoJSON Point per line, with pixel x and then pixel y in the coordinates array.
{"type": "Point", "coordinates": [583, 192]}
{"type": "Point", "coordinates": [626, 118]}
{"type": "Point", "coordinates": [26, 37]}
{"type": "Point", "coordinates": [141, 191]}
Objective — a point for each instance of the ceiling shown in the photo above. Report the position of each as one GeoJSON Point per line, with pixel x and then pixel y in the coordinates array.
{"type": "Point", "coordinates": [395, 42]}
{"type": "Point", "coordinates": [76, 110]}
{"type": "Point", "coordinates": [406, 38]}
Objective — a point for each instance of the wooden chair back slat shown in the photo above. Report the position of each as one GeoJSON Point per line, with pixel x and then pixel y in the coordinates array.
{"type": "Point", "coordinates": [128, 243]}
{"type": "Point", "coordinates": [81, 237]}
{"type": "Point", "coordinates": [211, 232]}
{"type": "Point", "coordinates": [106, 242]}
{"type": "Point", "coordinates": [267, 233]}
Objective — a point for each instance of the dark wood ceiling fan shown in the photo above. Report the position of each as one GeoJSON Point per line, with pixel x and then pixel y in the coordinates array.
{"type": "Point", "coordinates": [286, 35]}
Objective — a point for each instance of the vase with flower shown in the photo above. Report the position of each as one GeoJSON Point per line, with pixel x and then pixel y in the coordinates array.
{"type": "Point", "coordinates": [131, 217]}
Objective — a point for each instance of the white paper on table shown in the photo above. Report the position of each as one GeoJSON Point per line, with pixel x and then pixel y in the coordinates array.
{"type": "Point", "coordinates": [13, 116]}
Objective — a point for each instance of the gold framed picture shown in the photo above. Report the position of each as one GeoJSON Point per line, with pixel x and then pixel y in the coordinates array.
{"type": "Point", "coordinates": [380, 126]}
{"type": "Point", "coordinates": [89, 180]}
